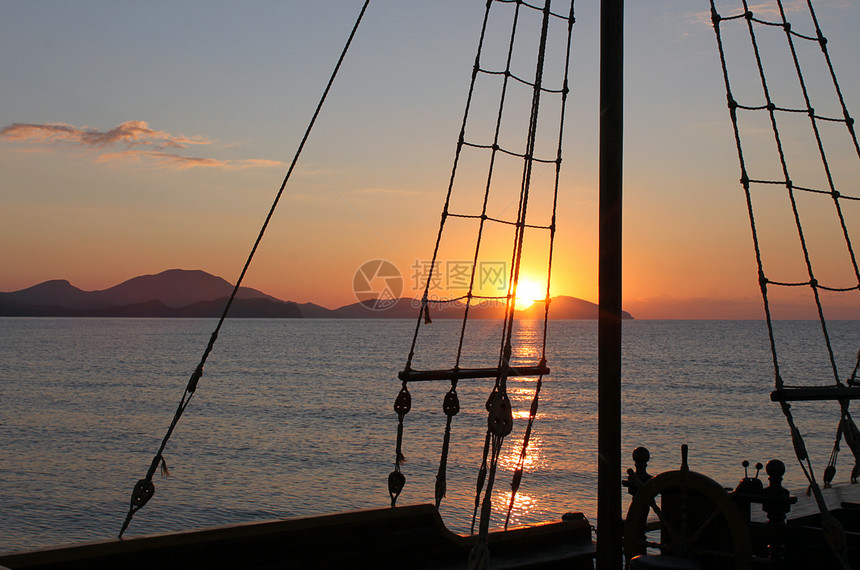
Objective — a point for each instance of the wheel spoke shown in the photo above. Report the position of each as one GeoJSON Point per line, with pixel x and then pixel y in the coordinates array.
{"type": "Point", "coordinates": [697, 519]}
{"type": "Point", "coordinates": [665, 525]}
{"type": "Point", "coordinates": [717, 512]}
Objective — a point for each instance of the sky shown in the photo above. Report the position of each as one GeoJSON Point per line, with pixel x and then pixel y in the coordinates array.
{"type": "Point", "coordinates": [140, 137]}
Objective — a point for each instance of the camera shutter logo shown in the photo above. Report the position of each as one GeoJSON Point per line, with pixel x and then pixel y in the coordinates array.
{"type": "Point", "coordinates": [377, 284]}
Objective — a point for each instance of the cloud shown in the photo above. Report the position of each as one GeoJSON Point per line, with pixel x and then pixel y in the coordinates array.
{"type": "Point", "coordinates": [129, 134]}
{"type": "Point", "coordinates": [181, 161]}
{"type": "Point", "coordinates": [131, 140]}
{"type": "Point", "coordinates": [385, 191]}
{"type": "Point", "coordinates": [252, 162]}
{"type": "Point", "coordinates": [767, 11]}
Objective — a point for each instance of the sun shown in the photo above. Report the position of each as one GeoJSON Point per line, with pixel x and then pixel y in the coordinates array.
{"type": "Point", "coordinates": [529, 291]}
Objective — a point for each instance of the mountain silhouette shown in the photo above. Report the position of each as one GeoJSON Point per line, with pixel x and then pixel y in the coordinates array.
{"type": "Point", "coordinates": [180, 293]}
{"type": "Point", "coordinates": [564, 307]}
{"type": "Point", "coordinates": [176, 288]}
{"type": "Point", "coordinates": [171, 293]}
{"type": "Point", "coordinates": [561, 307]}
{"type": "Point", "coordinates": [57, 292]}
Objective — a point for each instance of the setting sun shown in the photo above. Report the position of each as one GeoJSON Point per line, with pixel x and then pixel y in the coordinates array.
{"type": "Point", "coordinates": [528, 292]}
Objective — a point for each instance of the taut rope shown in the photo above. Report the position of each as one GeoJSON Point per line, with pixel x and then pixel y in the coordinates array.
{"type": "Point", "coordinates": [145, 488]}
{"type": "Point", "coordinates": [798, 195]}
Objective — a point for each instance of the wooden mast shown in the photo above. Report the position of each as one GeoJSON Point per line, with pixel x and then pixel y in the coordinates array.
{"type": "Point", "coordinates": [609, 520]}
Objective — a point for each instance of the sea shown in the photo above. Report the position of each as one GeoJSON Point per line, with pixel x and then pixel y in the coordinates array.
{"type": "Point", "coordinates": [295, 417]}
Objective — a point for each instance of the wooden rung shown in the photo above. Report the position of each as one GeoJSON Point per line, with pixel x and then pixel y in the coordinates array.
{"type": "Point", "coordinates": [470, 373]}
{"type": "Point", "coordinates": [805, 393]}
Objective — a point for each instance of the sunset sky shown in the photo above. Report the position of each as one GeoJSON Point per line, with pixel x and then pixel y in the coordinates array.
{"type": "Point", "coordinates": [139, 137]}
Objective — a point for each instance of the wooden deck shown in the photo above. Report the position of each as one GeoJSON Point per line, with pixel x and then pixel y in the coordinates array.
{"type": "Point", "coordinates": [406, 537]}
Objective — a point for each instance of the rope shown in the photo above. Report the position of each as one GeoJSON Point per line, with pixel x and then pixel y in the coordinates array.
{"type": "Point", "coordinates": [396, 479]}
{"type": "Point", "coordinates": [852, 379]}
{"type": "Point", "coordinates": [852, 438]}
{"type": "Point", "coordinates": [493, 442]}
{"type": "Point", "coordinates": [482, 217]}
{"type": "Point", "coordinates": [518, 472]}
{"type": "Point", "coordinates": [145, 488]}
{"type": "Point", "coordinates": [498, 405]}
{"type": "Point", "coordinates": [424, 311]}
{"type": "Point", "coordinates": [500, 419]}
{"type": "Point", "coordinates": [792, 191]}
{"type": "Point", "coordinates": [494, 148]}
{"type": "Point", "coordinates": [451, 407]}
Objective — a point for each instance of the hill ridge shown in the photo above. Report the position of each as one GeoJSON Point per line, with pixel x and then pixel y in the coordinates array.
{"type": "Point", "coordinates": [181, 293]}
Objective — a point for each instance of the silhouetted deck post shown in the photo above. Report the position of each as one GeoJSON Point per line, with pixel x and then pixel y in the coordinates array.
{"type": "Point", "coordinates": [609, 518]}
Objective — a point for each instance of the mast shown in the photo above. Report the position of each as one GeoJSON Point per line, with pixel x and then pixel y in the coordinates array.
{"type": "Point", "coordinates": [609, 521]}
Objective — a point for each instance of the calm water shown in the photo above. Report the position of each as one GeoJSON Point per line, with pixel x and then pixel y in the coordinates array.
{"type": "Point", "coordinates": [294, 417]}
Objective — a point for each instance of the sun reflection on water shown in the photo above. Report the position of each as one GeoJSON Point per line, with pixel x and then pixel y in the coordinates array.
{"type": "Point", "coordinates": [521, 414]}
{"type": "Point", "coordinates": [534, 458]}
{"type": "Point", "coordinates": [527, 350]}
{"type": "Point", "coordinates": [524, 505]}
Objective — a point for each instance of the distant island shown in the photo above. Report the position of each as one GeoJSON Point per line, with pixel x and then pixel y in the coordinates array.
{"type": "Point", "coordinates": [182, 293]}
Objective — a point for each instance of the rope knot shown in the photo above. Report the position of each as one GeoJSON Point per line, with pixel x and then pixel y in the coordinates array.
{"type": "Point", "coordinates": [143, 490]}
{"type": "Point", "coordinates": [195, 378]}
{"type": "Point", "coordinates": [396, 482]}
{"type": "Point", "coordinates": [403, 402]}
{"type": "Point", "coordinates": [451, 405]}
{"type": "Point", "coordinates": [500, 420]}
{"type": "Point", "coordinates": [829, 474]}
{"type": "Point", "coordinates": [799, 446]}
{"type": "Point", "coordinates": [834, 534]}
{"type": "Point", "coordinates": [517, 479]}
{"type": "Point", "coordinates": [715, 17]}
{"type": "Point", "coordinates": [479, 557]}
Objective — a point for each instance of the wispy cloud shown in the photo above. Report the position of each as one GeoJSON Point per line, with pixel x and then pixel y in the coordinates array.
{"type": "Point", "coordinates": [131, 140]}
{"type": "Point", "coordinates": [182, 161]}
{"type": "Point", "coordinates": [164, 158]}
{"type": "Point", "coordinates": [129, 133]}
{"type": "Point", "coordinates": [384, 191]}
{"type": "Point", "coordinates": [764, 10]}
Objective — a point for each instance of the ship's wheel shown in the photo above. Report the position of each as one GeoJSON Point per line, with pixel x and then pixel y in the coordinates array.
{"type": "Point", "coordinates": [698, 521]}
